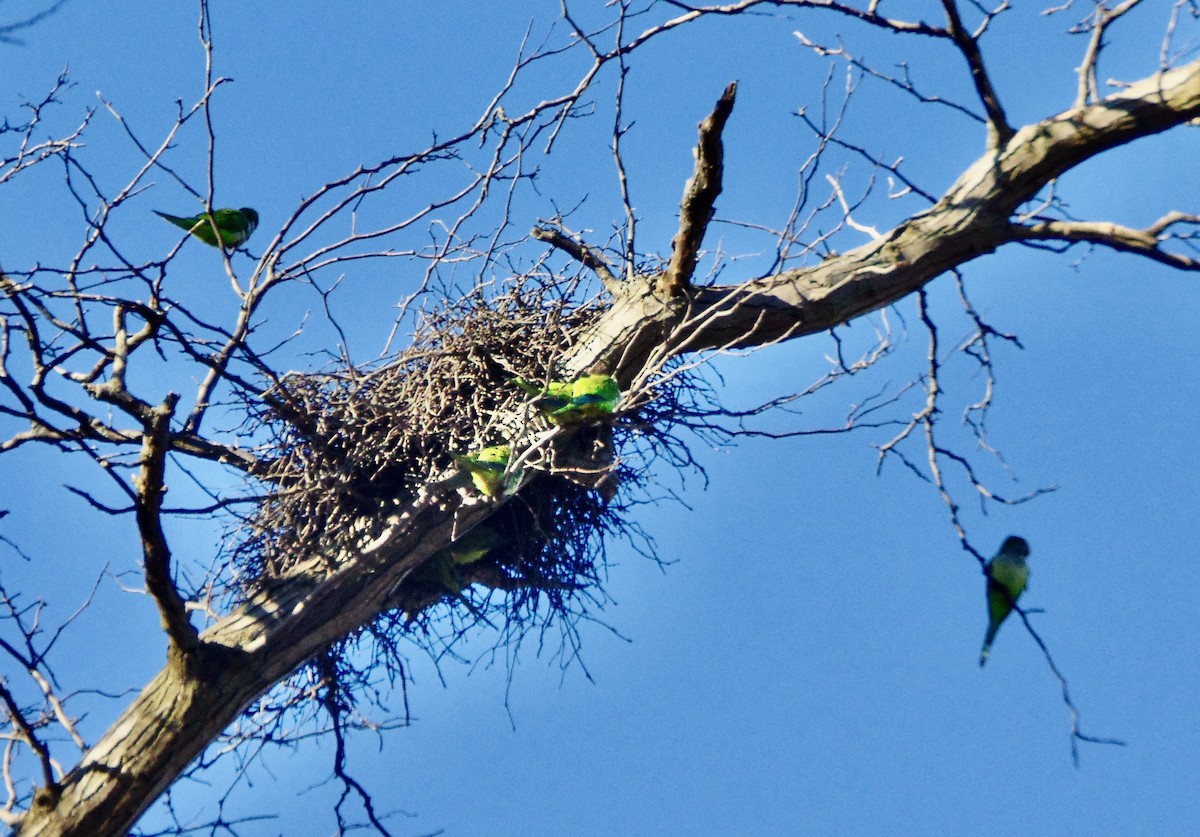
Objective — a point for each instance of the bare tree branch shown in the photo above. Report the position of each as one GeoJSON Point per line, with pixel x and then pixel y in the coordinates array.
{"type": "Point", "coordinates": [1145, 242]}
{"type": "Point", "coordinates": [999, 131]}
{"type": "Point", "coordinates": [334, 703]}
{"type": "Point", "coordinates": [7, 29]}
{"type": "Point", "coordinates": [1102, 18]}
{"type": "Point", "coordinates": [1077, 734]}
{"type": "Point", "coordinates": [971, 219]}
{"type": "Point", "coordinates": [26, 733]}
{"type": "Point", "coordinates": [699, 198]}
{"type": "Point", "coordinates": [151, 488]}
{"type": "Point", "coordinates": [870, 15]}
{"type": "Point", "coordinates": [586, 255]}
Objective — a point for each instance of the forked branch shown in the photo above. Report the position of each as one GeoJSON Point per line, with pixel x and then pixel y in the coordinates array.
{"type": "Point", "coordinates": [150, 488]}
{"type": "Point", "coordinates": [581, 252]}
{"type": "Point", "coordinates": [999, 131]}
{"type": "Point", "coordinates": [1141, 242]}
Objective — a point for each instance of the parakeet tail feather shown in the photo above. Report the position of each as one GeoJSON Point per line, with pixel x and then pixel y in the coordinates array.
{"type": "Point", "coordinates": [987, 645]}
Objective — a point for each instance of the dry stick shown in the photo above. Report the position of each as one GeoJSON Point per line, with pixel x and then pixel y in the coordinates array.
{"type": "Point", "coordinates": [699, 197]}
{"type": "Point", "coordinates": [926, 419]}
{"type": "Point", "coordinates": [583, 253]}
{"type": "Point", "coordinates": [331, 700]}
{"type": "Point", "coordinates": [26, 733]}
{"type": "Point", "coordinates": [999, 131]}
{"type": "Point", "coordinates": [1089, 88]}
{"type": "Point", "coordinates": [1076, 734]}
{"type": "Point", "coordinates": [630, 249]}
{"type": "Point", "coordinates": [7, 816]}
{"type": "Point", "coordinates": [1141, 242]}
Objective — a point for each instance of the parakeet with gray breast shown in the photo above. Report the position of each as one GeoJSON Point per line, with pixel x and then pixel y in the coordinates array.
{"type": "Point", "coordinates": [1007, 577]}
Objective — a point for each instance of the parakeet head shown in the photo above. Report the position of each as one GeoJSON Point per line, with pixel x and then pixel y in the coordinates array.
{"type": "Point", "coordinates": [250, 214]}
{"type": "Point", "coordinates": [1015, 546]}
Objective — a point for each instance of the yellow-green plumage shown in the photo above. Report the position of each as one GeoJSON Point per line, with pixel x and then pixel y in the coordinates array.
{"type": "Point", "coordinates": [487, 468]}
{"type": "Point", "coordinates": [1007, 577]}
{"type": "Point", "coordinates": [554, 396]}
{"type": "Point", "coordinates": [586, 399]}
{"type": "Point", "coordinates": [234, 225]}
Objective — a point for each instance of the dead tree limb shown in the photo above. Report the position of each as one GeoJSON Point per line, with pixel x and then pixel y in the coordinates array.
{"type": "Point", "coordinates": [973, 218]}
{"type": "Point", "coordinates": [999, 131]}
{"type": "Point", "coordinates": [586, 255]}
{"type": "Point", "coordinates": [699, 198]}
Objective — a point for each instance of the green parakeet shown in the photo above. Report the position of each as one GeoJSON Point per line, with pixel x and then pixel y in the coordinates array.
{"type": "Point", "coordinates": [486, 468]}
{"type": "Point", "coordinates": [589, 398]}
{"type": "Point", "coordinates": [472, 546]}
{"type": "Point", "coordinates": [442, 569]}
{"type": "Point", "coordinates": [555, 395]}
{"type": "Point", "coordinates": [235, 225]}
{"type": "Point", "coordinates": [1007, 576]}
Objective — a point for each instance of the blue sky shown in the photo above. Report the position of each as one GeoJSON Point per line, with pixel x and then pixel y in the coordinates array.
{"type": "Point", "coordinates": [807, 662]}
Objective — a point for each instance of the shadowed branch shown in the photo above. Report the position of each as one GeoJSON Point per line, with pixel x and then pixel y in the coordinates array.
{"type": "Point", "coordinates": [157, 555]}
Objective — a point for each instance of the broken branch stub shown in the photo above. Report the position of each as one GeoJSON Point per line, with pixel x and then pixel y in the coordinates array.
{"type": "Point", "coordinates": [699, 198]}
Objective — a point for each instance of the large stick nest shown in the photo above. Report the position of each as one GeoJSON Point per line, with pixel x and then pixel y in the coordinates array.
{"type": "Point", "coordinates": [351, 443]}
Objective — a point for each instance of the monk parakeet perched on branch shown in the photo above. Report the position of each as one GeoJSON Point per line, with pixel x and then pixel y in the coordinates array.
{"type": "Point", "coordinates": [235, 225]}
{"type": "Point", "coordinates": [589, 398]}
{"type": "Point", "coordinates": [487, 468]}
{"type": "Point", "coordinates": [1007, 574]}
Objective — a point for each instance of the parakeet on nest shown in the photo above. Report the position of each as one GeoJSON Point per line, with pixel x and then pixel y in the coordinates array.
{"type": "Point", "coordinates": [487, 469]}
{"type": "Point", "coordinates": [473, 546]}
{"type": "Point", "coordinates": [590, 398]}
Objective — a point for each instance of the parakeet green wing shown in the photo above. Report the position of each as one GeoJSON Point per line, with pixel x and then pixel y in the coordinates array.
{"type": "Point", "coordinates": [595, 395]}
{"type": "Point", "coordinates": [234, 225]}
{"type": "Point", "coordinates": [1007, 577]}
{"type": "Point", "coordinates": [554, 396]}
{"type": "Point", "coordinates": [441, 572]}
{"type": "Point", "coordinates": [557, 389]}
{"type": "Point", "coordinates": [589, 398]}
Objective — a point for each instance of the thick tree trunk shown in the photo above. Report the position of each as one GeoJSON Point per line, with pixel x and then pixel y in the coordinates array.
{"type": "Point", "coordinates": [187, 704]}
{"type": "Point", "coordinates": [196, 696]}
